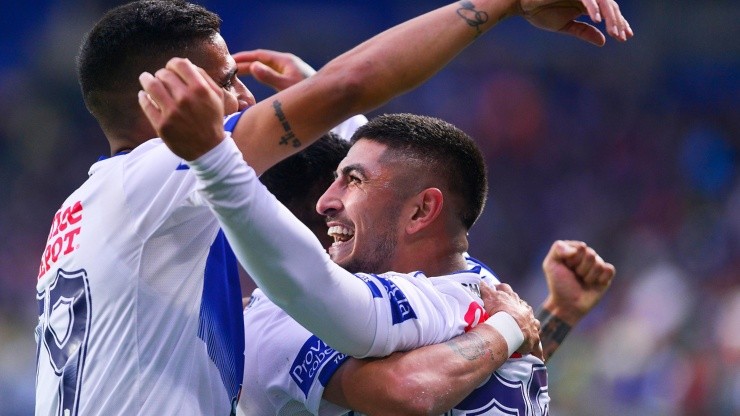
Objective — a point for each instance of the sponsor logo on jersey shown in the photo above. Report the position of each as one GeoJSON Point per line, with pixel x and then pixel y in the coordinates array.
{"type": "Point", "coordinates": [475, 315]}
{"type": "Point", "coordinates": [401, 309]}
{"type": "Point", "coordinates": [61, 241]}
{"type": "Point", "coordinates": [315, 359]}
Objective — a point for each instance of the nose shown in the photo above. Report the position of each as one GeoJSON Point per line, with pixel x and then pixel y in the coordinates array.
{"type": "Point", "coordinates": [244, 97]}
{"type": "Point", "coordinates": [330, 202]}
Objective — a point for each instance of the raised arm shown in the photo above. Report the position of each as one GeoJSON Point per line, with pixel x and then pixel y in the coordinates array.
{"type": "Point", "coordinates": [372, 73]}
{"type": "Point", "coordinates": [577, 278]}
{"type": "Point", "coordinates": [186, 109]}
{"type": "Point", "coordinates": [390, 64]}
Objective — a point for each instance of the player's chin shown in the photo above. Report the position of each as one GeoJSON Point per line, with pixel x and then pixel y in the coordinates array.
{"type": "Point", "coordinates": [341, 252]}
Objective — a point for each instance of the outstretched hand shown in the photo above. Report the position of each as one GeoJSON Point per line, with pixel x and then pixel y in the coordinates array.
{"type": "Point", "coordinates": [577, 278]}
{"type": "Point", "coordinates": [185, 107]}
{"type": "Point", "coordinates": [559, 16]}
{"type": "Point", "coordinates": [278, 70]}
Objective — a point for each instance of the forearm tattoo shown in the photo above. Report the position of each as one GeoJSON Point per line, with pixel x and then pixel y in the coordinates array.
{"type": "Point", "coordinates": [474, 18]}
{"type": "Point", "coordinates": [470, 346]}
{"type": "Point", "coordinates": [289, 136]}
{"type": "Point", "coordinates": [552, 332]}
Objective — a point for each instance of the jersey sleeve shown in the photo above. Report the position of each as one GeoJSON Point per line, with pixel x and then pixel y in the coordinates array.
{"type": "Point", "coordinates": [291, 267]}
{"type": "Point", "coordinates": [286, 366]}
{"type": "Point", "coordinates": [347, 128]}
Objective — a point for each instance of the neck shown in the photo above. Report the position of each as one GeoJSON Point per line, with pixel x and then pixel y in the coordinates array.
{"type": "Point", "coordinates": [433, 258]}
{"type": "Point", "coordinates": [122, 140]}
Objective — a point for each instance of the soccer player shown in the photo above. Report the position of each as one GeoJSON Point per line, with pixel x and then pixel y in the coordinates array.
{"type": "Point", "coordinates": [139, 305]}
{"type": "Point", "coordinates": [430, 380]}
{"type": "Point", "coordinates": [328, 316]}
{"type": "Point", "coordinates": [178, 103]}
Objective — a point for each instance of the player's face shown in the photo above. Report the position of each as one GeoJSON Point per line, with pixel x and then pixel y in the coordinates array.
{"type": "Point", "coordinates": [220, 65]}
{"type": "Point", "coordinates": [361, 209]}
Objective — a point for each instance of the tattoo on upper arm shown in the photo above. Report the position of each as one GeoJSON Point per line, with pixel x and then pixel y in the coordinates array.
{"type": "Point", "coordinates": [289, 136]}
{"type": "Point", "coordinates": [552, 332]}
{"type": "Point", "coordinates": [474, 18]}
{"type": "Point", "coordinates": [470, 346]}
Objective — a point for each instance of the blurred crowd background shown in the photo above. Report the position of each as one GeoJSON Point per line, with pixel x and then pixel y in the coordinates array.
{"type": "Point", "coordinates": [633, 148]}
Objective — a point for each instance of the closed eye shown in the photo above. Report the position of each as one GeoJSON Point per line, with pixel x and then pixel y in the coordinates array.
{"type": "Point", "coordinates": [229, 84]}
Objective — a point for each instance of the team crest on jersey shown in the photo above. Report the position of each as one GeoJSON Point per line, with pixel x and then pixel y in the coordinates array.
{"type": "Point", "coordinates": [521, 392]}
{"type": "Point", "coordinates": [61, 241]}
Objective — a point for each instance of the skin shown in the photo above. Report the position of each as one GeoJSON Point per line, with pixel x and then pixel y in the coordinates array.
{"type": "Point", "coordinates": [186, 108]}
{"type": "Point", "coordinates": [213, 57]}
{"type": "Point", "coordinates": [368, 186]}
{"type": "Point", "coordinates": [359, 200]}
{"type": "Point", "coordinates": [356, 82]}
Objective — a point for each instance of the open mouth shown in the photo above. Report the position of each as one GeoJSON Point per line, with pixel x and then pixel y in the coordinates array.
{"type": "Point", "coordinates": [340, 234]}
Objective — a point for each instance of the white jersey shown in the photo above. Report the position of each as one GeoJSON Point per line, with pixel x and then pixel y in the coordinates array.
{"type": "Point", "coordinates": [139, 297]}
{"type": "Point", "coordinates": [140, 308]}
{"type": "Point", "coordinates": [287, 368]}
{"type": "Point", "coordinates": [288, 264]}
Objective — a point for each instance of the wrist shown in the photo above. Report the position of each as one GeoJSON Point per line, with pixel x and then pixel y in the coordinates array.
{"type": "Point", "coordinates": [553, 331]}
{"type": "Point", "coordinates": [506, 325]}
{"type": "Point", "coordinates": [569, 315]}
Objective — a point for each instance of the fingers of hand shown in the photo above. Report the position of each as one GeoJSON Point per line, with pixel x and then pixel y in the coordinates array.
{"type": "Point", "coordinates": [593, 10]}
{"type": "Point", "coordinates": [261, 70]}
{"type": "Point", "coordinates": [172, 83]}
{"type": "Point", "coordinates": [606, 276]}
{"type": "Point", "coordinates": [190, 74]}
{"type": "Point", "coordinates": [247, 56]}
{"type": "Point", "coordinates": [151, 110]}
{"type": "Point", "coordinates": [616, 24]}
{"type": "Point", "coordinates": [572, 252]}
{"type": "Point", "coordinates": [156, 91]}
{"type": "Point", "coordinates": [185, 81]}
{"type": "Point", "coordinates": [266, 56]}
{"type": "Point", "coordinates": [586, 263]}
{"type": "Point", "coordinates": [244, 68]}
{"type": "Point", "coordinates": [210, 82]}
{"type": "Point", "coordinates": [503, 287]}
{"type": "Point", "coordinates": [584, 31]}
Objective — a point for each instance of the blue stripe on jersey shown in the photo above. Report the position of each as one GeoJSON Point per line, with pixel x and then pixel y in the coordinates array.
{"type": "Point", "coordinates": [221, 324]}
{"type": "Point", "coordinates": [373, 287]}
{"type": "Point", "coordinates": [480, 263]}
{"type": "Point", "coordinates": [315, 359]}
{"type": "Point", "coordinates": [401, 309]}
{"type": "Point", "coordinates": [232, 120]}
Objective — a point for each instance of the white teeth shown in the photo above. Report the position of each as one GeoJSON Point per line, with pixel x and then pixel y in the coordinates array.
{"type": "Point", "coordinates": [339, 231]}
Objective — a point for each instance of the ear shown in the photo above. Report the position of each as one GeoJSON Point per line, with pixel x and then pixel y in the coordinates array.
{"type": "Point", "coordinates": [426, 207]}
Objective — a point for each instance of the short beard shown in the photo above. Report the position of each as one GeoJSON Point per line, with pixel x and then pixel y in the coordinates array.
{"type": "Point", "coordinates": [375, 262]}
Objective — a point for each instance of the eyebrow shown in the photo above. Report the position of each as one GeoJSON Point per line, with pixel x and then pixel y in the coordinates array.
{"type": "Point", "coordinates": [228, 77]}
{"type": "Point", "coordinates": [345, 171]}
